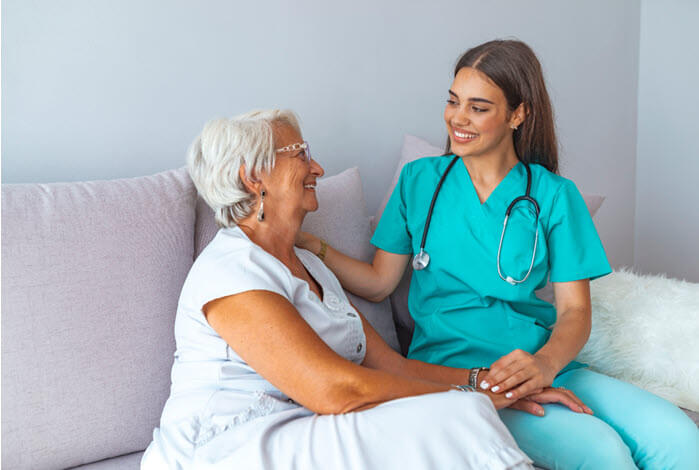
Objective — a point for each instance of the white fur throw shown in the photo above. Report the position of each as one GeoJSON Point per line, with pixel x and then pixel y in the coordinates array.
{"type": "Point", "coordinates": [645, 331]}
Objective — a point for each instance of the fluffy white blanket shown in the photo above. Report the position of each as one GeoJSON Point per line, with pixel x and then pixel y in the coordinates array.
{"type": "Point", "coordinates": [645, 330]}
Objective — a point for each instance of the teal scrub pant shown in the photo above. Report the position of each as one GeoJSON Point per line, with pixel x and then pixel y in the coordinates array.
{"type": "Point", "coordinates": [631, 428]}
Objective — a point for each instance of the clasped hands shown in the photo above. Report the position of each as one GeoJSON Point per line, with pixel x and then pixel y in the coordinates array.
{"type": "Point", "coordinates": [522, 381]}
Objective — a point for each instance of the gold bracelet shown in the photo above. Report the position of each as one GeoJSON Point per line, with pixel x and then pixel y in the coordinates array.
{"type": "Point", "coordinates": [323, 249]}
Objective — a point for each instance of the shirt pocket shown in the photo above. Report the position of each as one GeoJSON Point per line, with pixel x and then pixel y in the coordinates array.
{"type": "Point", "coordinates": [525, 332]}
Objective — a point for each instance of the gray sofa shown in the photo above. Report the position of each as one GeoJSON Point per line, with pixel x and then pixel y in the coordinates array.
{"type": "Point", "coordinates": [91, 274]}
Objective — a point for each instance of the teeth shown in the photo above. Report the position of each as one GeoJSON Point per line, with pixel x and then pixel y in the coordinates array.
{"type": "Point", "coordinates": [463, 135]}
{"type": "Point", "coordinates": [310, 186]}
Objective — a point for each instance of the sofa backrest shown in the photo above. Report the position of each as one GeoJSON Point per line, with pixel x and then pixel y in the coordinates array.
{"type": "Point", "coordinates": [91, 275]}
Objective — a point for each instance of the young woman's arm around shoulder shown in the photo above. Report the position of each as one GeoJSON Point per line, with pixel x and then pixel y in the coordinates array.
{"type": "Point", "coordinates": [374, 281]}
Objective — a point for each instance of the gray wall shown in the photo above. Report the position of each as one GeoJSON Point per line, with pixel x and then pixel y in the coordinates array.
{"type": "Point", "coordinates": [104, 89]}
{"type": "Point", "coordinates": [667, 190]}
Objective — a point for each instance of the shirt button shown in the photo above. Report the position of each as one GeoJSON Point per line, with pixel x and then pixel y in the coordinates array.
{"type": "Point", "coordinates": [359, 347]}
{"type": "Point", "coordinates": [351, 314]}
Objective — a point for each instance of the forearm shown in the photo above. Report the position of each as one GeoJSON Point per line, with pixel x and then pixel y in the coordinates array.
{"type": "Point", "coordinates": [366, 280]}
{"type": "Point", "coordinates": [371, 387]}
{"type": "Point", "coordinates": [356, 276]}
{"type": "Point", "coordinates": [432, 372]}
{"type": "Point", "coordinates": [567, 339]}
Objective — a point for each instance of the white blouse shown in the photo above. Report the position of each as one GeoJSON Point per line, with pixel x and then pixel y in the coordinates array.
{"type": "Point", "coordinates": [213, 389]}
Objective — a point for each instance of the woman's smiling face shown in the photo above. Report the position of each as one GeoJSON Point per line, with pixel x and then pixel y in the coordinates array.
{"type": "Point", "coordinates": [477, 115]}
{"type": "Point", "coordinates": [291, 183]}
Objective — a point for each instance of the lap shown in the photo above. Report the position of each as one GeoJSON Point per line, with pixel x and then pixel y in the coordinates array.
{"type": "Point", "coordinates": [444, 430]}
{"type": "Point", "coordinates": [630, 425]}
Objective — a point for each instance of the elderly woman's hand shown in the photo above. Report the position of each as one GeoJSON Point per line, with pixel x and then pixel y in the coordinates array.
{"type": "Point", "coordinates": [532, 403]}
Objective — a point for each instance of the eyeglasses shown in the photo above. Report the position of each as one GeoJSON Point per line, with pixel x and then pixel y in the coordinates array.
{"type": "Point", "coordinates": [305, 154]}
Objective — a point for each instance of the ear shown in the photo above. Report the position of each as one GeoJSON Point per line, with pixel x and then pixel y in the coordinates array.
{"type": "Point", "coordinates": [251, 184]}
{"type": "Point", "coordinates": [519, 114]}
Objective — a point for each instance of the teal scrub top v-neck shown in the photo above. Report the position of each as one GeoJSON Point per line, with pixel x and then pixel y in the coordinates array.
{"type": "Point", "coordinates": [465, 315]}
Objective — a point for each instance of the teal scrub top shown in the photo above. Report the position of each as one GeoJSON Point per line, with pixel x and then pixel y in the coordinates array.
{"type": "Point", "coordinates": [465, 315]}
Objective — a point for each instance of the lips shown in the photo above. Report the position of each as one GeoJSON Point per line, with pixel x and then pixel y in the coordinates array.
{"type": "Point", "coordinates": [463, 136]}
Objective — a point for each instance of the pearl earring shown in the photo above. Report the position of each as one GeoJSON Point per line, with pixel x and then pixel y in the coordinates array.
{"type": "Point", "coordinates": [513, 127]}
{"type": "Point", "coordinates": [261, 212]}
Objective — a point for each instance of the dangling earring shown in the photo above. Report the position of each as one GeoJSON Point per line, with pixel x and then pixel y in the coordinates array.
{"type": "Point", "coordinates": [261, 211]}
{"type": "Point", "coordinates": [513, 127]}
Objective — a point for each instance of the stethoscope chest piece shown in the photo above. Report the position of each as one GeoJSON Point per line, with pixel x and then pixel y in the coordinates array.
{"type": "Point", "coordinates": [421, 260]}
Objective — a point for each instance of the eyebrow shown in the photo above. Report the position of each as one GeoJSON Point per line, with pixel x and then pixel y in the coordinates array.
{"type": "Point", "coordinates": [474, 100]}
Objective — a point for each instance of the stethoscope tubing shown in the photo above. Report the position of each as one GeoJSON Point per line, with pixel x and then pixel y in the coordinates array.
{"type": "Point", "coordinates": [422, 259]}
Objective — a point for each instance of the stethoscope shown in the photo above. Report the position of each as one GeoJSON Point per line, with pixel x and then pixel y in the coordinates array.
{"type": "Point", "coordinates": [422, 259]}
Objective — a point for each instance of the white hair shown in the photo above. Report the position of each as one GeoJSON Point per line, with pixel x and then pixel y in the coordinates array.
{"type": "Point", "coordinates": [215, 157]}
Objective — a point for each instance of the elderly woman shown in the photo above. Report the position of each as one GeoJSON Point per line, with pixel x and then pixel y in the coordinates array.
{"type": "Point", "coordinates": [266, 374]}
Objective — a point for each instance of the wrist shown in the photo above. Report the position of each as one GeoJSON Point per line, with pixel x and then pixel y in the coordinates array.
{"type": "Point", "coordinates": [552, 365]}
{"type": "Point", "coordinates": [322, 250]}
{"type": "Point", "coordinates": [475, 374]}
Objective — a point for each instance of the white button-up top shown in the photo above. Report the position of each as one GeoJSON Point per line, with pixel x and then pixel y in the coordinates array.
{"type": "Point", "coordinates": [213, 389]}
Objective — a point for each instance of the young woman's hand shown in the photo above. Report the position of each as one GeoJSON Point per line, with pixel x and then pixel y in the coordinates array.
{"type": "Point", "coordinates": [518, 374]}
{"type": "Point", "coordinates": [307, 241]}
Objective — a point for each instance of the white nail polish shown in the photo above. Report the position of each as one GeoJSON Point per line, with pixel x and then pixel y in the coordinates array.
{"type": "Point", "coordinates": [485, 385]}
{"type": "Point", "coordinates": [508, 395]}
{"type": "Point", "coordinates": [495, 389]}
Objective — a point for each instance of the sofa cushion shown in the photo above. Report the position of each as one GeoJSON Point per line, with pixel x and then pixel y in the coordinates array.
{"type": "Point", "coordinates": [342, 220]}
{"type": "Point", "coordinates": [91, 274]}
{"type": "Point", "coordinates": [124, 462]}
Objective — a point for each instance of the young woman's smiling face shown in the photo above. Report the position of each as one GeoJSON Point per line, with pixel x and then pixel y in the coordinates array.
{"type": "Point", "coordinates": [477, 116]}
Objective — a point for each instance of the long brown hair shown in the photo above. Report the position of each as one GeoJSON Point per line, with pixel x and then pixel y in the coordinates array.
{"type": "Point", "coordinates": [515, 69]}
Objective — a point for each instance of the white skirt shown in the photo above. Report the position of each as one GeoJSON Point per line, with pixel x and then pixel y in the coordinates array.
{"type": "Point", "coordinates": [452, 430]}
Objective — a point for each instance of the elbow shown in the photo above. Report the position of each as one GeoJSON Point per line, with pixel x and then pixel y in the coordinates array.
{"type": "Point", "coordinates": [343, 398]}
{"type": "Point", "coordinates": [378, 297]}
{"type": "Point", "coordinates": [380, 292]}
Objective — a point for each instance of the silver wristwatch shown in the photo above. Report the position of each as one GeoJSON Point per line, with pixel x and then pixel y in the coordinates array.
{"type": "Point", "coordinates": [473, 376]}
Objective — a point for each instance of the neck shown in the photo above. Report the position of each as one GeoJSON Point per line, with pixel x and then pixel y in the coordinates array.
{"type": "Point", "coordinates": [276, 237]}
{"type": "Point", "coordinates": [490, 168]}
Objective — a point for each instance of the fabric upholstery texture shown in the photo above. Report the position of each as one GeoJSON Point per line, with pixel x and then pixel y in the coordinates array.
{"type": "Point", "coordinates": [124, 462]}
{"type": "Point", "coordinates": [91, 274]}
{"type": "Point", "coordinates": [342, 220]}
{"type": "Point", "coordinates": [633, 317]}
{"type": "Point", "coordinates": [414, 148]}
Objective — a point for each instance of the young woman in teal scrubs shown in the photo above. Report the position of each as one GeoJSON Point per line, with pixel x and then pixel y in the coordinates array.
{"type": "Point", "coordinates": [499, 120]}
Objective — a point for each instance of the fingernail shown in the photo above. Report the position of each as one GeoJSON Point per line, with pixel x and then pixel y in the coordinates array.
{"type": "Point", "coordinates": [588, 410]}
{"type": "Point", "coordinates": [581, 410]}
{"type": "Point", "coordinates": [508, 395]}
{"type": "Point", "coordinates": [540, 412]}
{"type": "Point", "coordinates": [485, 385]}
{"type": "Point", "coordinates": [495, 389]}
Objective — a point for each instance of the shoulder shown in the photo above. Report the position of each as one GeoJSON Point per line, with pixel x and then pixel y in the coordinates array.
{"type": "Point", "coordinates": [439, 162]}
{"type": "Point", "coordinates": [549, 186]}
{"type": "Point", "coordinates": [232, 258]}
{"type": "Point", "coordinates": [425, 169]}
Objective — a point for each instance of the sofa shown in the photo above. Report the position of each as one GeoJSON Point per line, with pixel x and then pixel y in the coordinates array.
{"type": "Point", "coordinates": [91, 274]}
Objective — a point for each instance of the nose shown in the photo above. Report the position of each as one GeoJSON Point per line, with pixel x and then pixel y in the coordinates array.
{"type": "Point", "coordinates": [460, 118]}
{"type": "Point", "coordinates": [316, 169]}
